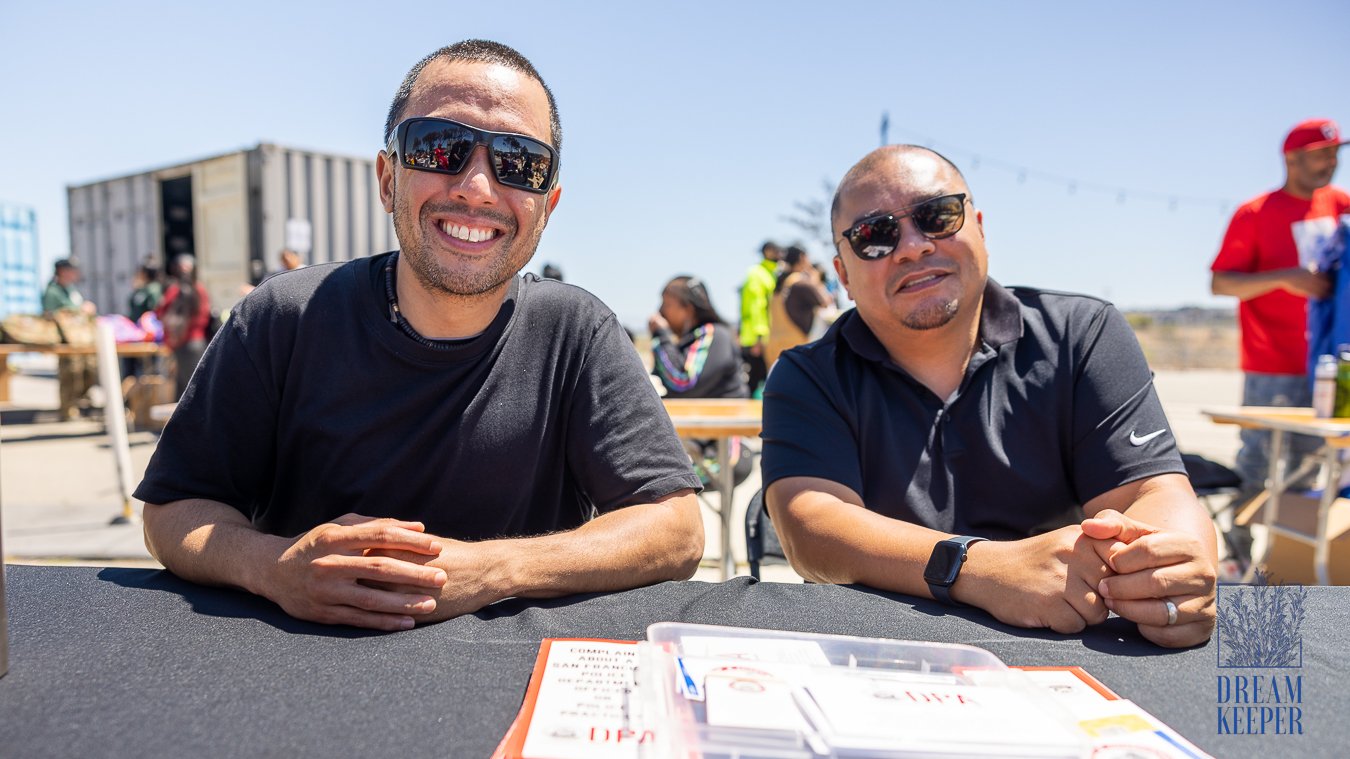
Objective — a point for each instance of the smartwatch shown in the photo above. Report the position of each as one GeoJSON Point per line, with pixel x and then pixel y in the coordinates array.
{"type": "Point", "coordinates": [944, 566]}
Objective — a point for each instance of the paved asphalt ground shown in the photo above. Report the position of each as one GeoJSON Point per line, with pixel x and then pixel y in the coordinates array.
{"type": "Point", "coordinates": [59, 488]}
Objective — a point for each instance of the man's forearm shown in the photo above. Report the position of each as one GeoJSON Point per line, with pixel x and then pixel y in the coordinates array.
{"type": "Point", "coordinates": [854, 545]}
{"type": "Point", "coordinates": [828, 542]}
{"type": "Point", "coordinates": [209, 542]}
{"type": "Point", "coordinates": [829, 536]}
{"type": "Point", "coordinates": [627, 548]}
{"type": "Point", "coordinates": [1247, 285]}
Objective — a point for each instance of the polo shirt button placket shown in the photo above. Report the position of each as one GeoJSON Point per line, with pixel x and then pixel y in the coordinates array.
{"type": "Point", "coordinates": [937, 443]}
{"type": "Point", "coordinates": [951, 445]}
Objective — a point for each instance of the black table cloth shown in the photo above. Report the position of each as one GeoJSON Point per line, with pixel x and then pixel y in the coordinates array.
{"type": "Point", "coordinates": [133, 662]}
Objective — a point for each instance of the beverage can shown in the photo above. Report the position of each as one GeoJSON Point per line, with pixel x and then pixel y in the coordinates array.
{"type": "Point", "coordinates": [1342, 404]}
{"type": "Point", "coordinates": [1324, 386]}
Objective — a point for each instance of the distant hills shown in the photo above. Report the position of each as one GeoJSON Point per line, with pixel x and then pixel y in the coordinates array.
{"type": "Point", "coordinates": [1189, 337]}
{"type": "Point", "coordinates": [1188, 315]}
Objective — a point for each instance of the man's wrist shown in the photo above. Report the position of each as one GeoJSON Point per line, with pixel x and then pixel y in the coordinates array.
{"type": "Point", "coordinates": [257, 573]}
{"type": "Point", "coordinates": [945, 565]}
{"type": "Point", "coordinates": [503, 573]}
{"type": "Point", "coordinates": [978, 575]}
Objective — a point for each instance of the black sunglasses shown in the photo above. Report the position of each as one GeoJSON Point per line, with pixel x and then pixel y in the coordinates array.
{"type": "Point", "coordinates": [876, 237]}
{"type": "Point", "coordinates": [444, 147]}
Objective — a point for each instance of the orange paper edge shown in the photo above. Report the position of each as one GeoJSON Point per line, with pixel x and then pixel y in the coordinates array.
{"type": "Point", "coordinates": [513, 743]}
{"type": "Point", "coordinates": [1081, 674]}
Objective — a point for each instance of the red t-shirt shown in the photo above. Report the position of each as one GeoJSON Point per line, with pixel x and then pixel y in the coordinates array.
{"type": "Point", "coordinates": [1268, 232]}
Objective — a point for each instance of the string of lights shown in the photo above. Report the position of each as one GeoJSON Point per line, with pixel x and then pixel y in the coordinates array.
{"type": "Point", "coordinates": [1072, 185]}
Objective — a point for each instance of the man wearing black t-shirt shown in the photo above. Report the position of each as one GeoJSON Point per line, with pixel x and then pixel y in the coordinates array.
{"type": "Point", "coordinates": [1002, 448]}
{"type": "Point", "coordinates": [413, 436]}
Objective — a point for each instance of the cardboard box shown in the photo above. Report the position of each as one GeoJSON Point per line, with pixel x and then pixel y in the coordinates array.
{"type": "Point", "coordinates": [143, 393]}
{"type": "Point", "coordinates": [1290, 560]}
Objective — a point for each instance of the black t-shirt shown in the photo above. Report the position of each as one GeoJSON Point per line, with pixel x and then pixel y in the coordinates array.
{"type": "Point", "coordinates": [310, 404]}
{"type": "Point", "coordinates": [1057, 406]}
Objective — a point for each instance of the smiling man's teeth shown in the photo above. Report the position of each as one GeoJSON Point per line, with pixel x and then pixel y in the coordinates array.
{"type": "Point", "coordinates": [921, 280]}
{"type": "Point", "coordinates": [468, 234]}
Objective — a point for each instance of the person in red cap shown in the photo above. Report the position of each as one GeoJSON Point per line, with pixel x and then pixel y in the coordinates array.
{"type": "Point", "coordinates": [1266, 262]}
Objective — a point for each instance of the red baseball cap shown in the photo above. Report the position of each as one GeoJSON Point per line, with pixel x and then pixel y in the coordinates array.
{"type": "Point", "coordinates": [1313, 134]}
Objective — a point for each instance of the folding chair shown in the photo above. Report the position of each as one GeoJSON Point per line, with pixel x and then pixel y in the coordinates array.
{"type": "Point", "coordinates": [761, 540]}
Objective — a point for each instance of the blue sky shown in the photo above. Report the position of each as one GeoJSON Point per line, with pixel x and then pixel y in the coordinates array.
{"type": "Point", "coordinates": [738, 109]}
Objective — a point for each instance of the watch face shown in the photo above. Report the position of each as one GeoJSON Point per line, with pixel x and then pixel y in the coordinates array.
{"type": "Point", "coordinates": [945, 563]}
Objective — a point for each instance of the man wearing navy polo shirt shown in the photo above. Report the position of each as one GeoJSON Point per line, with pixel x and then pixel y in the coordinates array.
{"type": "Point", "coordinates": [997, 447]}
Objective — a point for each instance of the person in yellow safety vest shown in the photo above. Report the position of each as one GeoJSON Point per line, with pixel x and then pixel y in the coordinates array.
{"type": "Point", "coordinates": [755, 296]}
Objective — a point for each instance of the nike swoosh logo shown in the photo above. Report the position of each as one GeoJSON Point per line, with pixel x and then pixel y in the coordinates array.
{"type": "Point", "coordinates": [1137, 440]}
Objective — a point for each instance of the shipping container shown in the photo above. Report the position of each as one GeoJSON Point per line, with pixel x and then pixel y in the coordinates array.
{"type": "Point", "coordinates": [20, 281]}
{"type": "Point", "coordinates": [234, 212]}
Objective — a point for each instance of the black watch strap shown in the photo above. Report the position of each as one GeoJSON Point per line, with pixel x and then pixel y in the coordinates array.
{"type": "Point", "coordinates": [943, 591]}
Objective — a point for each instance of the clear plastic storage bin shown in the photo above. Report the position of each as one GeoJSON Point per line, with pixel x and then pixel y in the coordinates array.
{"type": "Point", "coordinates": [733, 692]}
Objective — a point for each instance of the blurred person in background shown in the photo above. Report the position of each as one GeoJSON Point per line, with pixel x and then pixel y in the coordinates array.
{"type": "Point", "coordinates": [695, 351]}
{"type": "Point", "coordinates": [798, 297]}
{"type": "Point", "coordinates": [696, 356]}
{"type": "Point", "coordinates": [756, 292]}
{"type": "Point", "coordinates": [146, 290]}
{"type": "Point", "coordinates": [290, 260]}
{"type": "Point", "coordinates": [185, 313]}
{"type": "Point", "coordinates": [62, 292]}
{"type": "Point", "coordinates": [75, 374]}
{"type": "Point", "coordinates": [1266, 261]}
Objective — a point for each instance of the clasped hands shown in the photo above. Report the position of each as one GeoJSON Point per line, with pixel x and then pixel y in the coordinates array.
{"type": "Point", "coordinates": [383, 574]}
{"type": "Point", "coordinates": [1075, 576]}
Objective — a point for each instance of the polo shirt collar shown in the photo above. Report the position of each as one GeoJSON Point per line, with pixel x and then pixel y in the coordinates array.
{"type": "Point", "coordinates": [1001, 317]}
{"type": "Point", "coordinates": [1000, 324]}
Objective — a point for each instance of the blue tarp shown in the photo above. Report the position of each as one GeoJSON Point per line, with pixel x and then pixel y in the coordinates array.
{"type": "Point", "coordinates": [1329, 319]}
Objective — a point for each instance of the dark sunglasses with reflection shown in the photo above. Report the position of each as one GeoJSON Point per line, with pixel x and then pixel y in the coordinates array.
{"type": "Point", "coordinates": [876, 237]}
{"type": "Point", "coordinates": [443, 146]}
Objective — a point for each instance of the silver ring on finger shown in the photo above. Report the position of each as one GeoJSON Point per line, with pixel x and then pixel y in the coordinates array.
{"type": "Point", "coordinates": [1171, 612]}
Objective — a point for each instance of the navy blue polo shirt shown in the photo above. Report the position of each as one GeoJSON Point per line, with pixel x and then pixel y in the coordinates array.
{"type": "Point", "coordinates": [1057, 406]}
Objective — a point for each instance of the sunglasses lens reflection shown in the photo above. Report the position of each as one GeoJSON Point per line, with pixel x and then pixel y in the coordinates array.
{"type": "Point", "coordinates": [936, 219]}
{"type": "Point", "coordinates": [442, 145]}
{"type": "Point", "coordinates": [876, 237]}
{"type": "Point", "coordinates": [521, 162]}
{"type": "Point", "coordinates": [940, 217]}
{"type": "Point", "coordinates": [437, 145]}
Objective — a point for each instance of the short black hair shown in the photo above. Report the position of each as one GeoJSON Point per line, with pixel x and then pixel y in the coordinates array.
{"type": "Point", "coordinates": [871, 159]}
{"type": "Point", "coordinates": [476, 51]}
{"type": "Point", "coordinates": [768, 246]}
